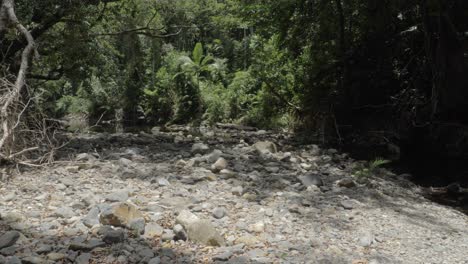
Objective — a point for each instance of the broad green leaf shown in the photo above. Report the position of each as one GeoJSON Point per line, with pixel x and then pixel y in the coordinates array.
{"type": "Point", "coordinates": [198, 53]}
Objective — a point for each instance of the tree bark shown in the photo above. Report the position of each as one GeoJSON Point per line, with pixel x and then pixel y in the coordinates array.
{"type": "Point", "coordinates": [8, 114]}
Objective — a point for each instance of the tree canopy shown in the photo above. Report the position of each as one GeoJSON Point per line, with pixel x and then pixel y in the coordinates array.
{"type": "Point", "coordinates": [389, 72]}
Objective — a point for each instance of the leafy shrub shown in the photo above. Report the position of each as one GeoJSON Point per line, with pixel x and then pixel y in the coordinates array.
{"type": "Point", "coordinates": [365, 172]}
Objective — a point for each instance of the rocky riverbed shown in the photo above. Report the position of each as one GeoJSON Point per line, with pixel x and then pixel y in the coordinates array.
{"type": "Point", "coordinates": [219, 196]}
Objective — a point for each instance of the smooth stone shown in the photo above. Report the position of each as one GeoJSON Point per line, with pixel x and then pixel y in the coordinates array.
{"type": "Point", "coordinates": [92, 218]}
{"type": "Point", "coordinates": [258, 227]}
{"type": "Point", "coordinates": [205, 233]}
{"type": "Point", "coordinates": [311, 179]}
{"type": "Point", "coordinates": [83, 258]}
{"type": "Point", "coordinates": [137, 225]}
{"type": "Point", "coordinates": [239, 260]}
{"type": "Point", "coordinates": [186, 218]}
{"type": "Point", "coordinates": [9, 251]}
{"type": "Point", "coordinates": [366, 240]}
{"type": "Point", "coordinates": [146, 253]}
{"type": "Point", "coordinates": [9, 197]}
{"type": "Point", "coordinates": [347, 204]}
{"type": "Point", "coordinates": [56, 256]}
{"type": "Point", "coordinates": [219, 165]}
{"type": "Point", "coordinates": [64, 212]}
{"type": "Point", "coordinates": [256, 253]}
{"type": "Point", "coordinates": [153, 230]}
{"type": "Point", "coordinates": [238, 190]}
{"type": "Point", "coordinates": [9, 238]}
{"type": "Point", "coordinates": [219, 212]}
{"type": "Point", "coordinates": [223, 256]}
{"type": "Point", "coordinates": [200, 148]}
{"type": "Point", "coordinates": [13, 260]}
{"type": "Point", "coordinates": [33, 260]}
{"type": "Point", "coordinates": [118, 196]}
{"type": "Point", "coordinates": [248, 240]}
{"type": "Point", "coordinates": [156, 260]}
{"type": "Point", "coordinates": [44, 249]}
{"type": "Point", "coordinates": [163, 182]}
{"type": "Point", "coordinates": [263, 147]}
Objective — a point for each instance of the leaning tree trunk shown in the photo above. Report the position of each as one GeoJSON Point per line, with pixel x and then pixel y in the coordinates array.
{"type": "Point", "coordinates": [10, 110]}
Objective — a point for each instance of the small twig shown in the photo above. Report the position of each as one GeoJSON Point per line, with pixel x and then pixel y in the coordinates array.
{"type": "Point", "coordinates": [12, 156]}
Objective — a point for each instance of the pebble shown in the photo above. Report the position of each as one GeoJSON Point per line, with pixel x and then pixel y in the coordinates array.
{"type": "Point", "coordinates": [258, 227]}
{"type": "Point", "coordinates": [311, 179]}
{"type": "Point", "coordinates": [65, 212]}
{"type": "Point", "coordinates": [156, 260]}
{"type": "Point", "coordinates": [219, 212]}
{"type": "Point", "coordinates": [83, 258]}
{"type": "Point", "coordinates": [219, 165]}
{"type": "Point", "coordinates": [260, 211]}
{"type": "Point", "coordinates": [118, 196]}
{"type": "Point", "coordinates": [33, 260]}
{"type": "Point", "coordinates": [54, 256]}
{"type": "Point", "coordinates": [163, 182]}
{"type": "Point", "coordinates": [347, 204]}
{"type": "Point", "coordinates": [366, 240]}
{"type": "Point", "coordinates": [153, 230]}
{"type": "Point", "coordinates": [238, 191]}
{"type": "Point", "coordinates": [223, 256]}
{"type": "Point", "coordinates": [9, 197]}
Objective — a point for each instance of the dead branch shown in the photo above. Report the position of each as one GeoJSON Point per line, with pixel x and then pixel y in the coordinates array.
{"type": "Point", "coordinates": [8, 110]}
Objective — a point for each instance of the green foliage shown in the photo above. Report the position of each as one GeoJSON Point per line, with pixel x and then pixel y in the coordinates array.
{"type": "Point", "coordinates": [232, 103]}
{"type": "Point", "coordinates": [365, 172]}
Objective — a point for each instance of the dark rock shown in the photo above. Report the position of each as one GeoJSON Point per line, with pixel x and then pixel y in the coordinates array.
{"type": "Point", "coordinates": [9, 251]}
{"type": "Point", "coordinates": [180, 233]}
{"type": "Point", "coordinates": [145, 253]}
{"type": "Point", "coordinates": [83, 258]}
{"type": "Point", "coordinates": [92, 244]}
{"type": "Point", "coordinates": [44, 249]}
{"type": "Point", "coordinates": [9, 239]}
{"type": "Point", "coordinates": [347, 183]}
{"type": "Point", "coordinates": [114, 236]}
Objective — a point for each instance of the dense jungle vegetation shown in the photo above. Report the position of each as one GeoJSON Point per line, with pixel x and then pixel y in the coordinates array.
{"type": "Point", "coordinates": [387, 77]}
